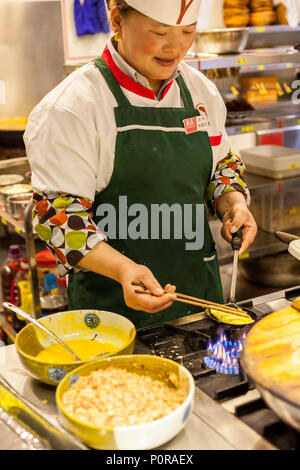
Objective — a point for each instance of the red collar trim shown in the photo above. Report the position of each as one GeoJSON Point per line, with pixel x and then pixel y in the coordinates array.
{"type": "Point", "coordinates": [166, 89]}
{"type": "Point", "coordinates": [127, 82]}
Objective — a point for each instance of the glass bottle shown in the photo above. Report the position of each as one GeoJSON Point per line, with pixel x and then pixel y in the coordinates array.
{"type": "Point", "coordinates": [7, 274]}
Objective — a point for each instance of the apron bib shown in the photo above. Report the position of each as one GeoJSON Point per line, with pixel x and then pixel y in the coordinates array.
{"type": "Point", "coordinates": [155, 163]}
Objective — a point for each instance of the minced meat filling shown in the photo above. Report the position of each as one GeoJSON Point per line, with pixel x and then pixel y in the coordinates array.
{"type": "Point", "coordinates": [116, 397]}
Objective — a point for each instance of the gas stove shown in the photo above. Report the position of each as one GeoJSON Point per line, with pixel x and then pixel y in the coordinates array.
{"type": "Point", "coordinates": [224, 394]}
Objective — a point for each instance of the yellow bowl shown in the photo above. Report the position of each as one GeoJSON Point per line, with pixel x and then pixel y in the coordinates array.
{"type": "Point", "coordinates": [74, 324]}
{"type": "Point", "coordinates": [139, 437]}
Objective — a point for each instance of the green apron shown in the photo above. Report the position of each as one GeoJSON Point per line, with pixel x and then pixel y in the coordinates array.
{"type": "Point", "coordinates": [155, 166]}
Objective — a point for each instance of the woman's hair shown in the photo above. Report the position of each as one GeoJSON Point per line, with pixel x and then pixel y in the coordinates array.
{"type": "Point", "coordinates": [122, 6]}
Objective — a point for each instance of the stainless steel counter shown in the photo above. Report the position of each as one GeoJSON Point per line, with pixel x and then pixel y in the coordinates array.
{"type": "Point", "coordinates": [210, 426]}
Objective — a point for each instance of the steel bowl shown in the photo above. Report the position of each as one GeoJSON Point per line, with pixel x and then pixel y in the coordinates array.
{"type": "Point", "coordinates": [8, 180]}
{"type": "Point", "coordinates": [68, 325]}
{"type": "Point", "coordinates": [221, 41]}
{"type": "Point", "coordinates": [16, 205]}
{"type": "Point", "coordinates": [12, 190]}
{"type": "Point", "coordinates": [280, 271]}
{"type": "Point", "coordinates": [139, 437]}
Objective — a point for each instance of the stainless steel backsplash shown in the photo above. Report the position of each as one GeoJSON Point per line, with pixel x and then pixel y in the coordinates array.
{"type": "Point", "coordinates": [31, 53]}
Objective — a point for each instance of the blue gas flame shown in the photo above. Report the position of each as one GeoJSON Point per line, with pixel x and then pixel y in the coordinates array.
{"type": "Point", "coordinates": [223, 354]}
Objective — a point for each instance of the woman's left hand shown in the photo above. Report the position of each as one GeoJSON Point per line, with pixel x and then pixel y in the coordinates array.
{"type": "Point", "coordinates": [239, 216]}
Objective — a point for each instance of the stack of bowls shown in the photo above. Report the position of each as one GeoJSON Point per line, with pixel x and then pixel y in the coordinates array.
{"type": "Point", "coordinates": [14, 196]}
{"type": "Point", "coordinates": [8, 180]}
{"type": "Point", "coordinates": [17, 204]}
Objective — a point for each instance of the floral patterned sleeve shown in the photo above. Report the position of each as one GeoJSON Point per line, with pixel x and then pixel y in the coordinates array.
{"type": "Point", "coordinates": [64, 222]}
{"type": "Point", "coordinates": [228, 176]}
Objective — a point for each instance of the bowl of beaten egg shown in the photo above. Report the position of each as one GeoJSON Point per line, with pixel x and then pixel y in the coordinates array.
{"type": "Point", "coordinates": [87, 332]}
{"type": "Point", "coordinates": [132, 402]}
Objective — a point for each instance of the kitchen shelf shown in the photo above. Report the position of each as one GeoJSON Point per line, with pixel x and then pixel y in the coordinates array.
{"type": "Point", "coordinates": [265, 242]}
{"type": "Point", "coordinates": [269, 67]}
{"type": "Point", "coordinates": [13, 162]}
{"type": "Point", "coordinates": [275, 28]}
{"type": "Point", "coordinates": [9, 221]}
{"type": "Point", "coordinates": [276, 116]}
{"type": "Point", "coordinates": [30, 237]}
{"type": "Point", "coordinates": [258, 182]}
{"type": "Point", "coordinates": [272, 36]}
{"type": "Point", "coordinates": [248, 60]}
{"type": "Point", "coordinates": [264, 125]}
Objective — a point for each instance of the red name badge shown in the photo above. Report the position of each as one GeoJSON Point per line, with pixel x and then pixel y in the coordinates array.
{"type": "Point", "coordinates": [195, 124]}
{"type": "Point", "coordinates": [190, 125]}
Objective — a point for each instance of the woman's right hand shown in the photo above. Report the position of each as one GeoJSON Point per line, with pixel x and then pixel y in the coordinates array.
{"type": "Point", "coordinates": [132, 272]}
{"type": "Point", "coordinates": [105, 260]}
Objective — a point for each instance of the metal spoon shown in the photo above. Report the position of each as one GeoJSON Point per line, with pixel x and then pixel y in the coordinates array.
{"type": "Point", "coordinates": [29, 318]}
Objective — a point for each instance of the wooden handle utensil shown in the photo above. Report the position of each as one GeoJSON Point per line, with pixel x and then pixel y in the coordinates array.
{"type": "Point", "coordinates": [187, 299]}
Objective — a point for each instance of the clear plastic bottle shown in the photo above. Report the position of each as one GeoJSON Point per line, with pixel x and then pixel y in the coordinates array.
{"type": "Point", "coordinates": [51, 300]}
{"type": "Point", "coordinates": [7, 274]}
{"type": "Point", "coordinates": [62, 288]}
{"type": "Point", "coordinates": [22, 274]}
{"type": "Point", "coordinates": [46, 263]}
{"type": "Point", "coordinates": [21, 279]}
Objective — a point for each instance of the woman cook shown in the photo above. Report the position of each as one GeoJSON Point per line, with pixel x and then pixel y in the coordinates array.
{"type": "Point", "coordinates": [139, 124]}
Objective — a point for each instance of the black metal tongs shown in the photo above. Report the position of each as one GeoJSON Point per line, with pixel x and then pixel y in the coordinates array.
{"type": "Point", "coordinates": [236, 244]}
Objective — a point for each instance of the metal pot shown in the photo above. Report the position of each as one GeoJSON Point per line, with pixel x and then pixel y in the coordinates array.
{"type": "Point", "coordinates": [8, 180]}
{"type": "Point", "coordinates": [293, 242]}
{"type": "Point", "coordinates": [280, 270]}
{"type": "Point", "coordinates": [221, 41]}
{"type": "Point", "coordinates": [53, 303]}
{"type": "Point", "coordinates": [17, 205]}
{"type": "Point", "coordinates": [13, 190]}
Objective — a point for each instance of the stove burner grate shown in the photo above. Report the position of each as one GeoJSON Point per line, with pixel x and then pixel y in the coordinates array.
{"type": "Point", "coordinates": [178, 344]}
{"type": "Point", "coordinates": [190, 348]}
{"type": "Point", "coordinates": [265, 422]}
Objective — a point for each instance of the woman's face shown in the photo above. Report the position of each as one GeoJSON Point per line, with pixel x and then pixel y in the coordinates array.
{"type": "Point", "coordinates": [152, 48]}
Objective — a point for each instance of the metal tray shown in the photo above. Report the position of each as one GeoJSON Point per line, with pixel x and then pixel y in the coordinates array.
{"type": "Point", "coordinates": [239, 116]}
{"type": "Point", "coordinates": [23, 427]}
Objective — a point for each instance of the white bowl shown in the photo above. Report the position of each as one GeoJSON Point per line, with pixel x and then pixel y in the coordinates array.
{"type": "Point", "coordinates": [139, 437]}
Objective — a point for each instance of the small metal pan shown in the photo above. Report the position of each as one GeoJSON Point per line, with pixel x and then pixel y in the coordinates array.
{"type": "Point", "coordinates": [232, 326]}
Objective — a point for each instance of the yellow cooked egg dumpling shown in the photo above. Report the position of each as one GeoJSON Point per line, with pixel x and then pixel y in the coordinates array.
{"type": "Point", "coordinates": [229, 318]}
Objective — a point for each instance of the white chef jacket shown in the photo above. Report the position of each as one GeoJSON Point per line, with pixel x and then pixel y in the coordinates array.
{"type": "Point", "coordinates": [71, 134]}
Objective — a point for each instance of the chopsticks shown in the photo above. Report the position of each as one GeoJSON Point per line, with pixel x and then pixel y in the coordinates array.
{"type": "Point", "coordinates": [188, 299]}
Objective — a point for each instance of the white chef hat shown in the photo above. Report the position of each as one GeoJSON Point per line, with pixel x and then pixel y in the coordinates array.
{"type": "Point", "coordinates": [170, 12]}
